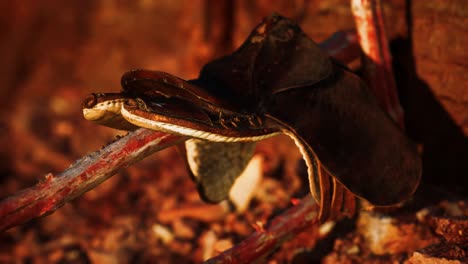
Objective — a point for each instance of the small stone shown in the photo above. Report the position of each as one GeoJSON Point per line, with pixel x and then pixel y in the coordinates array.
{"type": "Point", "coordinates": [439, 254]}
{"type": "Point", "coordinates": [223, 245]}
{"type": "Point", "coordinates": [245, 185]}
{"type": "Point", "coordinates": [163, 233]}
{"type": "Point", "coordinates": [384, 234]}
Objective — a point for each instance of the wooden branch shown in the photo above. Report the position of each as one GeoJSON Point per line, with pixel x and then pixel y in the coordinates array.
{"type": "Point", "coordinates": [218, 27]}
{"type": "Point", "coordinates": [260, 244]}
{"type": "Point", "coordinates": [368, 16]}
{"type": "Point", "coordinates": [54, 191]}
